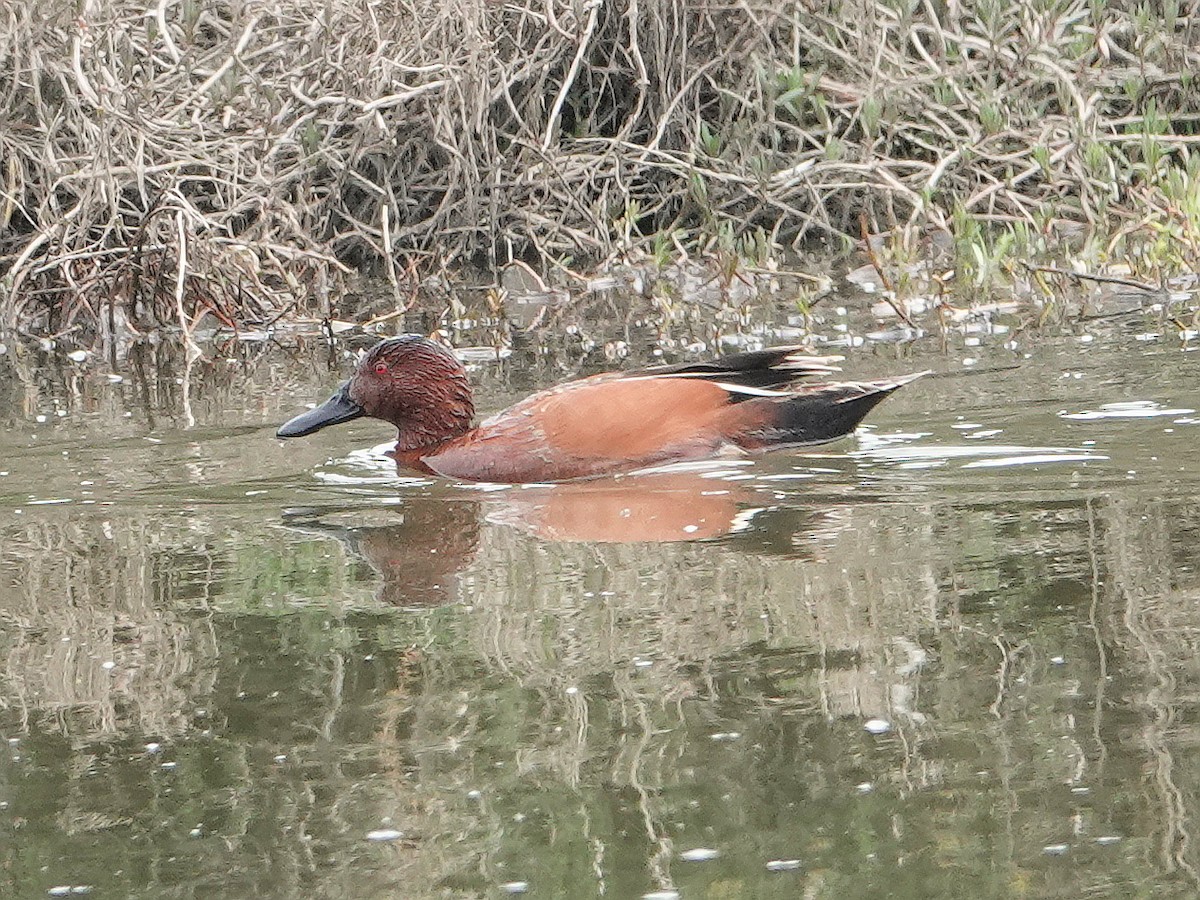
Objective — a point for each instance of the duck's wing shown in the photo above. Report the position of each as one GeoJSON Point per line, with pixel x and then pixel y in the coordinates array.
{"type": "Point", "coordinates": [756, 369]}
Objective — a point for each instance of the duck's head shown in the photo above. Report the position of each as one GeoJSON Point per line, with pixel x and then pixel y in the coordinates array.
{"type": "Point", "coordinates": [409, 381]}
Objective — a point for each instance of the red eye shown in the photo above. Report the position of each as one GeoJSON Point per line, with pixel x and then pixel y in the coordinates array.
{"type": "Point", "coordinates": [381, 368]}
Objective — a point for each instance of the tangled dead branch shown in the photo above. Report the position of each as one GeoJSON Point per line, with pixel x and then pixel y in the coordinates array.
{"type": "Point", "coordinates": [296, 140]}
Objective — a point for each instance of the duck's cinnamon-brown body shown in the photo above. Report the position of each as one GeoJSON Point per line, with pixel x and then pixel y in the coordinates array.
{"type": "Point", "coordinates": [603, 425]}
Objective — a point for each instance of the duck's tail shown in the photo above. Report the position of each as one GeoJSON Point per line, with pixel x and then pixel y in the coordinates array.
{"type": "Point", "coordinates": [816, 413]}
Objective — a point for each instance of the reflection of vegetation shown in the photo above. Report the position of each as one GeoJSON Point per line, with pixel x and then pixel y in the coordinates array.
{"type": "Point", "coordinates": [612, 706]}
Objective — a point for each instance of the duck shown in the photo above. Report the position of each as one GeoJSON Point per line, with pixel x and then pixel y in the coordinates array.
{"type": "Point", "coordinates": [603, 425]}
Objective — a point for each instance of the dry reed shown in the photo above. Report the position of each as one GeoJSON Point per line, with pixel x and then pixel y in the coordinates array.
{"type": "Point", "coordinates": [163, 160]}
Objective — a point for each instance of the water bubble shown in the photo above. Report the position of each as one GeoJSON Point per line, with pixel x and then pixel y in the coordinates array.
{"type": "Point", "coordinates": [1056, 849]}
{"type": "Point", "coordinates": [661, 895]}
{"type": "Point", "coordinates": [877, 726]}
{"type": "Point", "coordinates": [77, 356]}
{"type": "Point", "coordinates": [515, 887]}
{"type": "Point", "coordinates": [699, 854]}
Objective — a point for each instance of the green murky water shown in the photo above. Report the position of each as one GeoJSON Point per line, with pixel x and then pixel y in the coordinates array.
{"type": "Point", "coordinates": [954, 657]}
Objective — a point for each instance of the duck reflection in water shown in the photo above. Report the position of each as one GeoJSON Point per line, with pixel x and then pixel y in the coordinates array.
{"type": "Point", "coordinates": [434, 535]}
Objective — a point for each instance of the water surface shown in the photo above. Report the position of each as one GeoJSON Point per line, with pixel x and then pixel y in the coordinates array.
{"type": "Point", "coordinates": [953, 656]}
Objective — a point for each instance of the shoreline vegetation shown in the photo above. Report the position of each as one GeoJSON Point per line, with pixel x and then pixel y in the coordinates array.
{"type": "Point", "coordinates": [164, 162]}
